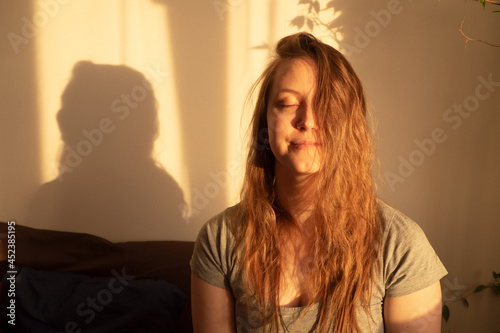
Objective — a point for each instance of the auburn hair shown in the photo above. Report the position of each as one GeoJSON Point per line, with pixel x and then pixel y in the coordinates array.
{"type": "Point", "coordinates": [347, 224]}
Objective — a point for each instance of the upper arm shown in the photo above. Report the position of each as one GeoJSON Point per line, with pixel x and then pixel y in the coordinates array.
{"type": "Point", "coordinates": [416, 312]}
{"type": "Point", "coordinates": [212, 307]}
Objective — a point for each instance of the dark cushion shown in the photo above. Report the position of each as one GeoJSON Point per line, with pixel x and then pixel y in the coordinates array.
{"type": "Point", "coordinates": [94, 256]}
{"type": "Point", "coordinates": [48, 301]}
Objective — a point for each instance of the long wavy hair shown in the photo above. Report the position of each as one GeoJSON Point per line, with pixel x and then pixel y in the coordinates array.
{"type": "Point", "coordinates": [347, 224]}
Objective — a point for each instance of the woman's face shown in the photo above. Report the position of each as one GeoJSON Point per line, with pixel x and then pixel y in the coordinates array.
{"type": "Point", "coordinates": [291, 118]}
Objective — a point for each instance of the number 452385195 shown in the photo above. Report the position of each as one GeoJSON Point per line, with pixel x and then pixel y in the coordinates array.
{"type": "Point", "coordinates": [11, 247]}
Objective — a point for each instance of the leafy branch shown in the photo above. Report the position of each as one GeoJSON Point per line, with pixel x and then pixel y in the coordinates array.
{"type": "Point", "coordinates": [311, 10]}
{"type": "Point", "coordinates": [494, 285]}
{"type": "Point", "coordinates": [483, 2]}
{"type": "Point", "coordinates": [311, 18]}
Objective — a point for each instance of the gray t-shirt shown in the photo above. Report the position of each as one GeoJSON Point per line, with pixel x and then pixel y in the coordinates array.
{"type": "Point", "coordinates": [407, 260]}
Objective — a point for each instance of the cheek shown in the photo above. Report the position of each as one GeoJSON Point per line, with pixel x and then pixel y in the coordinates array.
{"type": "Point", "coordinates": [277, 126]}
{"type": "Point", "coordinates": [273, 133]}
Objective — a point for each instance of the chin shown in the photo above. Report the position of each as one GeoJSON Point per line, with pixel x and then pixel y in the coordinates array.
{"type": "Point", "coordinates": [296, 168]}
{"type": "Point", "coordinates": [307, 171]}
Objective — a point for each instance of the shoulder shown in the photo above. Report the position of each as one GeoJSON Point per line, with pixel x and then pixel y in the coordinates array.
{"type": "Point", "coordinates": [409, 262]}
{"type": "Point", "coordinates": [400, 231]}
{"type": "Point", "coordinates": [213, 257]}
{"type": "Point", "coordinates": [219, 226]}
{"type": "Point", "coordinates": [396, 224]}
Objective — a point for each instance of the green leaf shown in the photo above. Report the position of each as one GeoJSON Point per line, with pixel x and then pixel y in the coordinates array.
{"type": "Point", "coordinates": [465, 302]}
{"type": "Point", "coordinates": [446, 313]}
{"type": "Point", "coordinates": [480, 288]}
{"type": "Point", "coordinates": [495, 274]}
{"type": "Point", "coordinates": [483, 2]}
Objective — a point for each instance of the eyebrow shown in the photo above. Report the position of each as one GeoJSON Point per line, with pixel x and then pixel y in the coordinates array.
{"type": "Point", "coordinates": [288, 90]}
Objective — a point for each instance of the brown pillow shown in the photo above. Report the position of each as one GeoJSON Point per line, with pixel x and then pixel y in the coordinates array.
{"type": "Point", "coordinates": [92, 255]}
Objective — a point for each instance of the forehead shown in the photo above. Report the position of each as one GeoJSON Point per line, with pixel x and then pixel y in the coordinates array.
{"type": "Point", "coordinates": [298, 74]}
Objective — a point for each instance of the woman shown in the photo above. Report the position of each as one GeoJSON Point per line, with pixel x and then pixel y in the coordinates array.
{"type": "Point", "coordinates": [310, 248]}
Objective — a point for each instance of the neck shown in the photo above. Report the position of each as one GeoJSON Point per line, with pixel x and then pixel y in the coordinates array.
{"type": "Point", "coordinates": [297, 194]}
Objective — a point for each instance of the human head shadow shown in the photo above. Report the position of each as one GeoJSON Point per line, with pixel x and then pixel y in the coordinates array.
{"type": "Point", "coordinates": [108, 182]}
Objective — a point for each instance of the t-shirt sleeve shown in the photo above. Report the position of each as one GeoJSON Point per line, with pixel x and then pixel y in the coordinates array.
{"type": "Point", "coordinates": [211, 260]}
{"type": "Point", "coordinates": [410, 262]}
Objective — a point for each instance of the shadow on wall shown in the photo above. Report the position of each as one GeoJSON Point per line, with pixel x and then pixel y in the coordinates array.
{"type": "Point", "coordinates": [199, 50]}
{"type": "Point", "coordinates": [108, 182]}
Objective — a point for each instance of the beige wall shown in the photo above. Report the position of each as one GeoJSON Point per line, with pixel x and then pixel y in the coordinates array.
{"type": "Point", "coordinates": [439, 164]}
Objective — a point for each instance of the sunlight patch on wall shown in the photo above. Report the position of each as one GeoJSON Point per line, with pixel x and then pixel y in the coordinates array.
{"type": "Point", "coordinates": [55, 62]}
{"type": "Point", "coordinates": [111, 32]}
{"type": "Point", "coordinates": [147, 32]}
{"type": "Point", "coordinates": [250, 36]}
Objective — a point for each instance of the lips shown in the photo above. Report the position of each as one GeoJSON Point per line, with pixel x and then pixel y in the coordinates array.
{"type": "Point", "coordinates": [304, 144]}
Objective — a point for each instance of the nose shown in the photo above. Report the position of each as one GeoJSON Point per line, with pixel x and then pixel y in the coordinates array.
{"type": "Point", "coordinates": [306, 119]}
